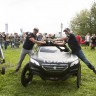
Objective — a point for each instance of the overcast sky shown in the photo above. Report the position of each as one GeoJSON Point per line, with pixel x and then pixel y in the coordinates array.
{"type": "Point", "coordinates": [47, 15]}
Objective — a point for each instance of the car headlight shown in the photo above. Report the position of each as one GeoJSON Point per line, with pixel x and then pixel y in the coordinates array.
{"type": "Point", "coordinates": [75, 62]}
{"type": "Point", "coordinates": [34, 61]}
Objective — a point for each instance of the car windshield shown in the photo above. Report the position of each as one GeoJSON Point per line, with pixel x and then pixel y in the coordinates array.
{"type": "Point", "coordinates": [49, 49]}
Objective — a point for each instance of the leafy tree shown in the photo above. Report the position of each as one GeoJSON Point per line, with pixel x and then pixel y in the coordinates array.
{"type": "Point", "coordinates": [93, 17]}
{"type": "Point", "coordinates": [81, 23]}
{"type": "Point", "coordinates": [85, 21]}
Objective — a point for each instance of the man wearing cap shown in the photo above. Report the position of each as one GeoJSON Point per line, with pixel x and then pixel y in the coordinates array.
{"type": "Point", "coordinates": [28, 46]}
{"type": "Point", "coordinates": [75, 47]}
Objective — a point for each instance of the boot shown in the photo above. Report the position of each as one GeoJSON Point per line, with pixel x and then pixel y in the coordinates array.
{"type": "Point", "coordinates": [92, 68]}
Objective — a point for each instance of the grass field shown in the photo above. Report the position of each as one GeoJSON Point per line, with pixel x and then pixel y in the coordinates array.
{"type": "Point", "coordinates": [10, 84]}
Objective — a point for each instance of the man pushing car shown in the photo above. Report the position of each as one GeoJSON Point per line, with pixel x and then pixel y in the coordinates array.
{"type": "Point", "coordinates": [75, 47]}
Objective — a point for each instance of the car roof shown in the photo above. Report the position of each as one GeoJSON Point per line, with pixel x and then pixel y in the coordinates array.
{"type": "Point", "coordinates": [49, 49]}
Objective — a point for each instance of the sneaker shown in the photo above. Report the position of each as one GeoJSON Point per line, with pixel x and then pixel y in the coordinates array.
{"type": "Point", "coordinates": [94, 70]}
{"type": "Point", "coordinates": [16, 70]}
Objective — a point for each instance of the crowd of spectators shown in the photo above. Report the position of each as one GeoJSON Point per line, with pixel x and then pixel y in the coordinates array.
{"type": "Point", "coordinates": [12, 40]}
{"type": "Point", "coordinates": [88, 40]}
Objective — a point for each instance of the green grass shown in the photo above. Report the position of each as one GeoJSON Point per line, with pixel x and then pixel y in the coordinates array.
{"type": "Point", "coordinates": [10, 84]}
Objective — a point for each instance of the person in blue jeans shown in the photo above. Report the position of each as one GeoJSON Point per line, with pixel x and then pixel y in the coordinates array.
{"type": "Point", "coordinates": [75, 47]}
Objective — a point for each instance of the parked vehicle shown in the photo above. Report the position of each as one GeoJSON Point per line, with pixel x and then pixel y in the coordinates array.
{"type": "Point", "coordinates": [2, 60]}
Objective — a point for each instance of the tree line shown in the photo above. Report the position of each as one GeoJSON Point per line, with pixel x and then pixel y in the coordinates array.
{"type": "Point", "coordinates": [85, 21]}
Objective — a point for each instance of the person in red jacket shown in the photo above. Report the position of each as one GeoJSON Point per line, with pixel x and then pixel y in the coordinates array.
{"type": "Point", "coordinates": [79, 39]}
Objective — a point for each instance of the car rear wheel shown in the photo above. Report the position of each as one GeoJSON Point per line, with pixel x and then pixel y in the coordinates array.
{"type": "Point", "coordinates": [26, 75]}
{"type": "Point", "coordinates": [79, 76]}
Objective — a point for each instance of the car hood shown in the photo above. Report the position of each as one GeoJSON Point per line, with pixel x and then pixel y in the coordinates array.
{"type": "Point", "coordinates": [58, 57]}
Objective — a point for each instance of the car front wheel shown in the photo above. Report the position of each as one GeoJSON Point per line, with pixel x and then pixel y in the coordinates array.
{"type": "Point", "coordinates": [26, 75]}
{"type": "Point", "coordinates": [79, 76]}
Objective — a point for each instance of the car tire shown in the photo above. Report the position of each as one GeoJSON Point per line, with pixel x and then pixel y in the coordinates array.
{"type": "Point", "coordinates": [26, 75]}
{"type": "Point", "coordinates": [79, 76]}
{"type": "Point", "coordinates": [3, 71]}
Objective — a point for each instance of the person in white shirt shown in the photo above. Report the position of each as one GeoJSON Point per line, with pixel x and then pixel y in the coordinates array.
{"type": "Point", "coordinates": [88, 39]}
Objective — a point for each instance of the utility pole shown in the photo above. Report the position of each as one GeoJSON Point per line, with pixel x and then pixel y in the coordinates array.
{"type": "Point", "coordinates": [6, 28]}
{"type": "Point", "coordinates": [61, 28]}
{"type": "Point", "coordinates": [21, 30]}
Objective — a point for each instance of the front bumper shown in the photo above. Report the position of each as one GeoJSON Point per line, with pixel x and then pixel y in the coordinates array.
{"type": "Point", "coordinates": [53, 71]}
